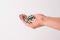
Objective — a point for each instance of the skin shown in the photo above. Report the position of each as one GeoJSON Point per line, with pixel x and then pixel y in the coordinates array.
{"type": "Point", "coordinates": [42, 20]}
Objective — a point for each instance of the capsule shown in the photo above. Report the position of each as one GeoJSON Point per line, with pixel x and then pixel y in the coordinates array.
{"type": "Point", "coordinates": [29, 19]}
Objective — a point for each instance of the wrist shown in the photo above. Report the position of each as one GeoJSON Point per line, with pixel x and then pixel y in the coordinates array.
{"type": "Point", "coordinates": [45, 19]}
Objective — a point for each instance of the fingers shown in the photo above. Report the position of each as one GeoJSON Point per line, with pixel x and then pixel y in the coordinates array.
{"type": "Point", "coordinates": [22, 16]}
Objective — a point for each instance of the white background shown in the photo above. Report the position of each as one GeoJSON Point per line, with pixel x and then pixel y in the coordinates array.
{"type": "Point", "coordinates": [11, 27]}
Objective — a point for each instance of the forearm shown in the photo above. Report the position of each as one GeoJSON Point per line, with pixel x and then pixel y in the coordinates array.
{"type": "Point", "coordinates": [52, 22]}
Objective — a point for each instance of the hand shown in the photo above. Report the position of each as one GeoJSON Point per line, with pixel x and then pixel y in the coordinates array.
{"type": "Point", "coordinates": [37, 23]}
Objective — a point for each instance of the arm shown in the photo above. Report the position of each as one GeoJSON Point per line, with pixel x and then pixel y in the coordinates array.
{"type": "Point", "coordinates": [42, 20]}
{"type": "Point", "coordinates": [52, 22]}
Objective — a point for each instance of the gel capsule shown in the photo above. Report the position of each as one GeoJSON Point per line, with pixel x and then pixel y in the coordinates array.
{"type": "Point", "coordinates": [29, 19]}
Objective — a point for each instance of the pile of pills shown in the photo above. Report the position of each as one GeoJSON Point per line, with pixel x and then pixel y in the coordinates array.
{"type": "Point", "coordinates": [29, 19]}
